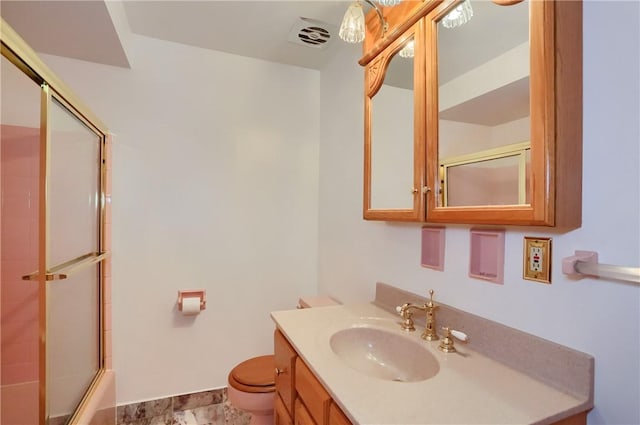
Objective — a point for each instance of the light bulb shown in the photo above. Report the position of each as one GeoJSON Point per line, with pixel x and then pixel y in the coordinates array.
{"type": "Point", "coordinates": [352, 28]}
{"type": "Point", "coordinates": [459, 15]}
{"type": "Point", "coordinates": [408, 50]}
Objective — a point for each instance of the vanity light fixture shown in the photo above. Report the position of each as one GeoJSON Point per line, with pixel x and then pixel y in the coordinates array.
{"type": "Point", "coordinates": [352, 29]}
{"type": "Point", "coordinates": [408, 50]}
{"type": "Point", "coordinates": [460, 15]}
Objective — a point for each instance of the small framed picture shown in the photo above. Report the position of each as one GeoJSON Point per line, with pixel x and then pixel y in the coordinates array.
{"type": "Point", "coordinates": [537, 259]}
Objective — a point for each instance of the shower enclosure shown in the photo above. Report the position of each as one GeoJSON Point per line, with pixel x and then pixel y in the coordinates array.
{"type": "Point", "coordinates": [53, 252]}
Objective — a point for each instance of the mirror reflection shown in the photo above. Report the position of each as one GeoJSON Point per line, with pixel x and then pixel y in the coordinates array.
{"type": "Point", "coordinates": [493, 177]}
{"type": "Point", "coordinates": [392, 135]}
{"type": "Point", "coordinates": [483, 100]}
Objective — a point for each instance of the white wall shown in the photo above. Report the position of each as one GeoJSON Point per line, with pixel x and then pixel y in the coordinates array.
{"type": "Point", "coordinates": [599, 317]}
{"type": "Point", "coordinates": [215, 180]}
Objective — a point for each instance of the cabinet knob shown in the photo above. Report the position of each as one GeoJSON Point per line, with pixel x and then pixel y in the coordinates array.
{"type": "Point", "coordinates": [279, 372]}
{"type": "Point", "coordinates": [414, 190]}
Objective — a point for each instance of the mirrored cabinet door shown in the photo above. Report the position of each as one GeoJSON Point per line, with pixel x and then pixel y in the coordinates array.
{"type": "Point", "coordinates": [394, 130]}
{"type": "Point", "coordinates": [504, 112]}
{"type": "Point", "coordinates": [483, 104]}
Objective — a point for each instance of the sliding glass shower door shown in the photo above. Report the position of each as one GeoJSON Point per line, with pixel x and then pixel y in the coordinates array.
{"type": "Point", "coordinates": [72, 250]}
{"type": "Point", "coordinates": [52, 182]}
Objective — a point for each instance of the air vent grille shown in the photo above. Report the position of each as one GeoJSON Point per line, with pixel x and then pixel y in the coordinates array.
{"type": "Point", "coordinates": [310, 32]}
{"type": "Point", "coordinates": [314, 35]}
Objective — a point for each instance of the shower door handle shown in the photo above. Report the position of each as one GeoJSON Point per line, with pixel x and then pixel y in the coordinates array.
{"type": "Point", "coordinates": [62, 271]}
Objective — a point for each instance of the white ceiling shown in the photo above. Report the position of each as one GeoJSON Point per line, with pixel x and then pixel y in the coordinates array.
{"type": "Point", "coordinates": [90, 30]}
{"type": "Point", "coordinates": [75, 29]}
{"type": "Point", "coordinates": [260, 29]}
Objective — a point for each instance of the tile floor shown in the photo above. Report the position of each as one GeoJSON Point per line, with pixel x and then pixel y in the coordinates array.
{"type": "Point", "coordinates": [203, 408]}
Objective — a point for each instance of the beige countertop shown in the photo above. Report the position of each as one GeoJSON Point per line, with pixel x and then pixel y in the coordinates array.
{"type": "Point", "coordinates": [468, 389]}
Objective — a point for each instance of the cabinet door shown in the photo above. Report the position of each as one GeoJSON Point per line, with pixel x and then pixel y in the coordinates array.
{"type": "Point", "coordinates": [394, 130]}
{"type": "Point", "coordinates": [303, 417]}
{"type": "Point", "coordinates": [310, 390]}
{"type": "Point", "coordinates": [519, 84]}
{"type": "Point", "coordinates": [285, 358]}
{"type": "Point", "coordinates": [336, 417]}
{"type": "Point", "coordinates": [281, 415]}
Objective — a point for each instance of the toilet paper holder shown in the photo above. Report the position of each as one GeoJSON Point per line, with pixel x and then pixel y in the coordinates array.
{"type": "Point", "coordinates": [192, 293]}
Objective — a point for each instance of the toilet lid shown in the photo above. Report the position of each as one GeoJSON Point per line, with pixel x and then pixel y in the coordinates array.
{"type": "Point", "coordinates": [255, 372]}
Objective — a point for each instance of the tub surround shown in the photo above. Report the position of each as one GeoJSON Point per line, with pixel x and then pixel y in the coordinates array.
{"type": "Point", "coordinates": [501, 376]}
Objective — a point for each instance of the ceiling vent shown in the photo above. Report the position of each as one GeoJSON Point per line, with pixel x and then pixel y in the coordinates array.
{"type": "Point", "coordinates": [310, 32]}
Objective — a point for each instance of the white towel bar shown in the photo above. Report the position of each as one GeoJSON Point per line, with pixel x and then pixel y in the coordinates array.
{"type": "Point", "coordinates": [586, 263]}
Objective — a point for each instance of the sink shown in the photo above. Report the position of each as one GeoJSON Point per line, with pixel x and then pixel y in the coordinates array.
{"type": "Point", "coordinates": [383, 354]}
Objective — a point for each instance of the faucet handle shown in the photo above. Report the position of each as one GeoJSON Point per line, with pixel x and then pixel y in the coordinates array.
{"type": "Point", "coordinates": [430, 303]}
{"type": "Point", "coordinates": [447, 344]}
{"type": "Point", "coordinates": [459, 335]}
{"type": "Point", "coordinates": [407, 324]}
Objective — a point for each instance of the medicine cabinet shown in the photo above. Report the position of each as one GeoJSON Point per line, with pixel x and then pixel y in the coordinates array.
{"type": "Point", "coordinates": [483, 124]}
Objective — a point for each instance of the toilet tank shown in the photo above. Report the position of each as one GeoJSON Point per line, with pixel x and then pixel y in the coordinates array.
{"type": "Point", "coordinates": [318, 301]}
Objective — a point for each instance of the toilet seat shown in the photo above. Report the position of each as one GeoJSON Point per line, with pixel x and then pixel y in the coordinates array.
{"type": "Point", "coordinates": [255, 375]}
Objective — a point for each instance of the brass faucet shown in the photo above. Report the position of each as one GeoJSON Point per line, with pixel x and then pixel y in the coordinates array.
{"type": "Point", "coordinates": [430, 333]}
{"type": "Point", "coordinates": [429, 308]}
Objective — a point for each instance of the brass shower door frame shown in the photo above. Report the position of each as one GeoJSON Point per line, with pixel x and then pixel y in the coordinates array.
{"type": "Point", "coordinates": [18, 52]}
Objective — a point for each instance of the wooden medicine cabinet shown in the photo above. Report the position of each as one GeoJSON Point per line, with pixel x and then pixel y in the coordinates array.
{"type": "Point", "coordinates": [483, 124]}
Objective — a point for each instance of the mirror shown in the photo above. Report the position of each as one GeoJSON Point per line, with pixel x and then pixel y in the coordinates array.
{"type": "Point", "coordinates": [484, 120]}
{"type": "Point", "coordinates": [492, 177]}
{"type": "Point", "coordinates": [391, 138]}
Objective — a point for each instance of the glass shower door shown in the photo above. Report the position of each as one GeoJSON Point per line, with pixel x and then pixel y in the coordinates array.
{"type": "Point", "coordinates": [52, 220]}
{"type": "Point", "coordinates": [73, 350]}
{"type": "Point", "coordinates": [19, 227]}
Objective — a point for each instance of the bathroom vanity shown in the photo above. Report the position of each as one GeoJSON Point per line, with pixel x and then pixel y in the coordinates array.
{"type": "Point", "coordinates": [319, 381]}
{"type": "Point", "coordinates": [299, 394]}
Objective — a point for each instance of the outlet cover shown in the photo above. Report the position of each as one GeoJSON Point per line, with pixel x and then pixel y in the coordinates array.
{"type": "Point", "coordinates": [537, 259]}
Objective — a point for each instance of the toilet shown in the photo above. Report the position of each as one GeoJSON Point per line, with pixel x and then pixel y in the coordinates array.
{"type": "Point", "coordinates": [252, 383]}
{"type": "Point", "coordinates": [252, 388]}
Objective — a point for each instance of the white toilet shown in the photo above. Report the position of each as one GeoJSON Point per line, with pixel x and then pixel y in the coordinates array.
{"type": "Point", "coordinates": [252, 382]}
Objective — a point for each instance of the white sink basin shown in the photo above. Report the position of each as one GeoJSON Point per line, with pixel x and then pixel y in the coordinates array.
{"type": "Point", "coordinates": [383, 354]}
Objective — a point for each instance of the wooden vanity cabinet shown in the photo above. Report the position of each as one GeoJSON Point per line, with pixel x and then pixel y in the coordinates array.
{"type": "Point", "coordinates": [281, 415]}
{"type": "Point", "coordinates": [336, 416]}
{"type": "Point", "coordinates": [302, 415]}
{"type": "Point", "coordinates": [312, 393]}
{"type": "Point", "coordinates": [285, 360]}
{"type": "Point", "coordinates": [300, 398]}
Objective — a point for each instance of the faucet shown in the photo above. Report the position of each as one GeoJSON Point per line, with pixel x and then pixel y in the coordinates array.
{"type": "Point", "coordinates": [429, 308]}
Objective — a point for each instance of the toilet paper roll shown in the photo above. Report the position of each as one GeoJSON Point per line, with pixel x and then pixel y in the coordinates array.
{"type": "Point", "coordinates": [190, 306]}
